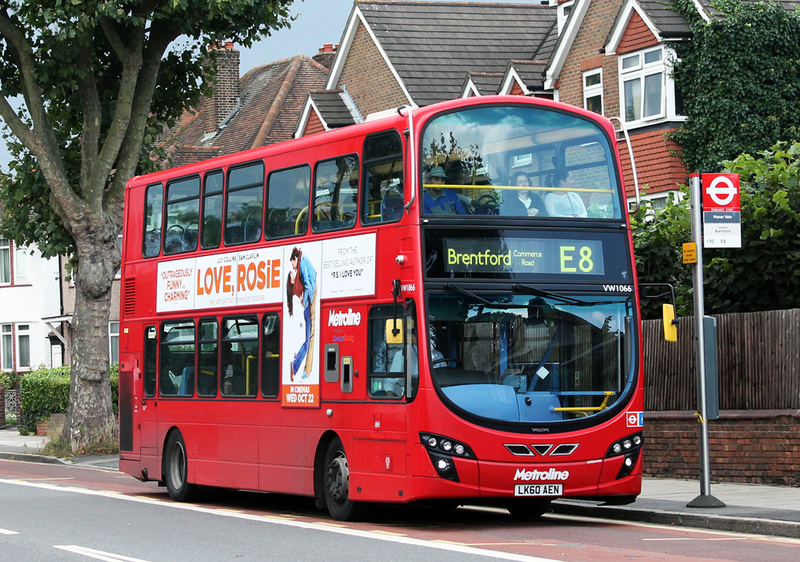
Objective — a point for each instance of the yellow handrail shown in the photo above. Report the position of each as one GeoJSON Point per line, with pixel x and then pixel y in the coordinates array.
{"type": "Point", "coordinates": [608, 394]}
{"type": "Point", "coordinates": [247, 374]}
{"type": "Point", "coordinates": [299, 218]}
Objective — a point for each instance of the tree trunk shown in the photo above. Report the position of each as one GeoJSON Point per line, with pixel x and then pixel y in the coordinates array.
{"type": "Point", "coordinates": [90, 415]}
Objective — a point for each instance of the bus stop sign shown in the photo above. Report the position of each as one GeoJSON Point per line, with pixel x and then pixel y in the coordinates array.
{"type": "Point", "coordinates": [721, 192]}
{"type": "Point", "coordinates": [722, 226]}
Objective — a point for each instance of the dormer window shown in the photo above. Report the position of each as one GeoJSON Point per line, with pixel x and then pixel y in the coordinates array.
{"type": "Point", "coordinates": [562, 14]}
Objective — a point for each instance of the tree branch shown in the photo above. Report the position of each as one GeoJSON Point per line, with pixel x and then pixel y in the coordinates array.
{"type": "Point", "coordinates": [92, 117]}
{"type": "Point", "coordinates": [130, 56]}
{"type": "Point", "coordinates": [41, 141]}
{"type": "Point", "coordinates": [160, 38]}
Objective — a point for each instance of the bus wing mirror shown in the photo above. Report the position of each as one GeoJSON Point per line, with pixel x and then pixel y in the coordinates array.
{"type": "Point", "coordinates": [394, 331]}
{"type": "Point", "coordinates": [670, 325]}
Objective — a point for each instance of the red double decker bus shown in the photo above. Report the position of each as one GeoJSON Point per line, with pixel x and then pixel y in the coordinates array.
{"type": "Point", "coordinates": [439, 304]}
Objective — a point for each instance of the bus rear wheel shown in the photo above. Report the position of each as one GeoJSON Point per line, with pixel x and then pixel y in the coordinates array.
{"type": "Point", "coordinates": [176, 470]}
{"type": "Point", "coordinates": [336, 485]}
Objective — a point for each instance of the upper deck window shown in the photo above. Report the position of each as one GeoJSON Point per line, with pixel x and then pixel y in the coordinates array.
{"type": "Point", "coordinates": [244, 205]}
{"type": "Point", "coordinates": [518, 161]}
{"type": "Point", "coordinates": [383, 178]}
{"type": "Point", "coordinates": [154, 198]}
{"type": "Point", "coordinates": [212, 210]}
{"type": "Point", "coordinates": [183, 215]}
{"type": "Point", "coordinates": [335, 194]}
{"type": "Point", "coordinates": [287, 202]}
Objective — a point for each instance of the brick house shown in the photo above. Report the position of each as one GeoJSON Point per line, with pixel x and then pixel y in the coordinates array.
{"type": "Point", "coordinates": [610, 56]}
{"type": "Point", "coordinates": [260, 108]}
{"type": "Point", "coordinates": [396, 53]}
{"type": "Point", "coordinates": [613, 57]}
{"type": "Point", "coordinates": [392, 54]}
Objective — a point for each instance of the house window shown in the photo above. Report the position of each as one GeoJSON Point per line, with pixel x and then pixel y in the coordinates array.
{"type": "Point", "coordinates": [6, 347]}
{"type": "Point", "coordinates": [593, 90]}
{"type": "Point", "coordinates": [642, 75]}
{"type": "Point", "coordinates": [5, 261]}
{"type": "Point", "coordinates": [23, 346]}
{"type": "Point", "coordinates": [113, 342]}
{"type": "Point", "coordinates": [562, 14]}
{"type": "Point", "coordinates": [21, 259]}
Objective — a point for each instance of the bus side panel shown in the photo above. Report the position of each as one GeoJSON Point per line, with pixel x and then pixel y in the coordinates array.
{"type": "Point", "coordinates": [286, 459]}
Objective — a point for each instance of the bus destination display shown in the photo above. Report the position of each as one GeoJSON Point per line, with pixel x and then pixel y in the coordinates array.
{"type": "Point", "coordinates": [524, 255]}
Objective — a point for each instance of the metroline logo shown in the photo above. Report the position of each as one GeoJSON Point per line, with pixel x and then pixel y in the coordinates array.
{"type": "Point", "coordinates": [341, 318]}
{"type": "Point", "coordinates": [542, 475]}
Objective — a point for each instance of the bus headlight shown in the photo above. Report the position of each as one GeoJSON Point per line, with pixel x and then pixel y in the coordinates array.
{"type": "Point", "coordinates": [441, 451]}
{"type": "Point", "coordinates": [629, 446]}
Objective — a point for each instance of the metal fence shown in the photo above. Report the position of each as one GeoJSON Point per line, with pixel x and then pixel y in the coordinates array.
{"type": "Point", "coordinates": [758, 356]}
{"type": "Point", "coordinates": [10, 405]}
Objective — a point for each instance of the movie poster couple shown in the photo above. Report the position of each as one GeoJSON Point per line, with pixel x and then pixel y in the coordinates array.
{"type": "Point", "coordinates": [301, 323]}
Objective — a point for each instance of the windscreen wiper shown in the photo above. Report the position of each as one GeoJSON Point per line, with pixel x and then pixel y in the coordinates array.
{"type": "Point", "coordinates": [519, 287]}
{"type": "Point", "coordinates": [470, 294]}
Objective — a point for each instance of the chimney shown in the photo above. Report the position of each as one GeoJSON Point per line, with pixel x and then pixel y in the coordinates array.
{"type": "Point", "coordinates": [226, 87]}
{"type": "Point", "coordinates": [326, 55]}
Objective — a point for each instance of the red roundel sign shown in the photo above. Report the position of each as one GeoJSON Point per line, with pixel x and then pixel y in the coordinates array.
{"type": "Point", "coordinates": [721, 192]}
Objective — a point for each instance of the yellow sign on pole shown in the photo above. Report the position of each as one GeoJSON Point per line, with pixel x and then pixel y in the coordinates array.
{"type": "Point", "coordinates": [689, 252]}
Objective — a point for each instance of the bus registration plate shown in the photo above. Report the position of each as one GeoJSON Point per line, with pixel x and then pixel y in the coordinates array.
{"type": "Point", "coordinates": [538, 489]}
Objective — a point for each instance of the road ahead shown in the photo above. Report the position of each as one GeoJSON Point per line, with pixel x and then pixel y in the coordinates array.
{"type": "Point", "coordinates": [55, 512]}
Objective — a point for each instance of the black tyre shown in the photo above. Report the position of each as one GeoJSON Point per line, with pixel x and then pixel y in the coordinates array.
{"type": "Point", "coordinates": [336, 485]}
{"type": "Point", "coordinates": [176, 470]}
{"type": "Point", "coordinates": [527, 509]}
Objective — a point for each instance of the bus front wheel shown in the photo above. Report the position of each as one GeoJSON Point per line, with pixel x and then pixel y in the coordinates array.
{"type": "Point", "coordinates": [176, 470]}
{"type": "Point", "coordinates": [527, 509]}
{"type": "Point", "coordinates": [336, 484]}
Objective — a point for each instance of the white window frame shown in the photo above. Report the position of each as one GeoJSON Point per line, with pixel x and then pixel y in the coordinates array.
{"type": "Point", "coordinates": [6, 347]}
{"type": "Point", "coordinates": [118, 274]}
{"type": "Point", "coordinates": [23, 335]}
{"type": "Point", "coordinates": [635, 66]}
{"type": "Point", "coordinates": [113, 342]}
{"type": "Point", "coordinates": [22, 260]}
{"type": "Point", "coordinates": [594, 90]}
{"type": "Point", "coordinates": [5, 260]}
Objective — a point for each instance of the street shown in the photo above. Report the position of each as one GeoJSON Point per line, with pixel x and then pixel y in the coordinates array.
{"type": "Point", "coordinates": [56, 512]}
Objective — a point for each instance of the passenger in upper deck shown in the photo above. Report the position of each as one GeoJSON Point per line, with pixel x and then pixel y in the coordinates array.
{"type": "Point", "coordinates": [564, 203]}
{"type": "Point", "coordinates": [438, 200]}
{"type": "Point", "coordinates": [522, 202]}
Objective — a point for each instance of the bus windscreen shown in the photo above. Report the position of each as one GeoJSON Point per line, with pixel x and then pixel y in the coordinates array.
{"type": "Point", "coordinates": [518, 161]}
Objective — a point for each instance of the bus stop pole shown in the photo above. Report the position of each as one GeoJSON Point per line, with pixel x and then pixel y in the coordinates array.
{"type": "Point", "coordinates": [705, 499]}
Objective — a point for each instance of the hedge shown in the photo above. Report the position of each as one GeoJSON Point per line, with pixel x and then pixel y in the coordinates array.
{"type": "Point", "coordinates": [46, 391]}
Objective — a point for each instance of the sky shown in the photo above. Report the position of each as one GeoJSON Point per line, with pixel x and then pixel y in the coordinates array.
{"type": "Point", "coordinates": [318, 22]}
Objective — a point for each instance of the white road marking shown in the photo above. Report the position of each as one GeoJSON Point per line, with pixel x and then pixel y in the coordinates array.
{"type": "Point", "coordinates": [97, 554]}
{"type": "Point", "coordinates": [289, 523]}
{"type": "Point", "coordinates": [7, 532]}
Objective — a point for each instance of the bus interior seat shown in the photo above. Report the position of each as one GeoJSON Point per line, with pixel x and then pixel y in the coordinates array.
{"type": "Point", "coordinates": [190, 237]}
{"type": "Point", "coordinates": [173, 243]}
{"type": "Point", "coordinates": [251, 231]}
{"type": "Point", "coordinates": [186, 387]}
{"type": "Point", "coordinates": [233, 234]}
{"type": "Point", "coordinates": [391, 207]}
{"type": "Point", "coordinates": [207, 382]}
{"type": "Point", "coordinates": [152, 243]}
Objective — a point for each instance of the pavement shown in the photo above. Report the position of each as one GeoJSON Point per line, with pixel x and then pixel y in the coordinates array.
{"type": "Point", "coordinates": [748, 508]}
